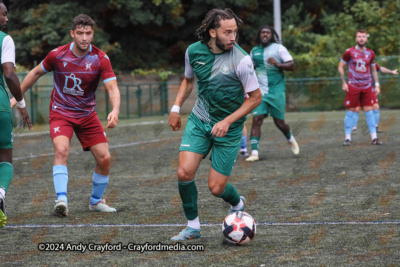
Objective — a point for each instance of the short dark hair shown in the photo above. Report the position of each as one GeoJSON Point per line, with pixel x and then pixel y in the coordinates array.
{"type": "Point", "coordinates": [361, 31]}
{"type": "Point", "coordinates": [212, 21]}
{"type": "Point", "coordinates": [82, 20]}
{"type": "Point", "coordinates": [275, 36]}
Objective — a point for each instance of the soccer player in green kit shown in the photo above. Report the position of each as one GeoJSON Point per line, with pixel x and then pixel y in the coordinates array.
{"type": "Point", "coordinates": [270, 59]}
{"type": "Point", "coordinates": [224, 73]}
{"type": "Point", "coordinates": [7, 55]}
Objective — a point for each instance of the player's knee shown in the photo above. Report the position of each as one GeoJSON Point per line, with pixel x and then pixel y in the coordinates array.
{"type": "Point", "coordinates": [105, 162]}
{"type": "Point", "coordinates": [184, 174]}
{"type": "Point", "coordinates": [61, 152]}
{"type": "Point", "coordinates": [257, 121]}
{"type": "Point", "coordinates": [216, 189]}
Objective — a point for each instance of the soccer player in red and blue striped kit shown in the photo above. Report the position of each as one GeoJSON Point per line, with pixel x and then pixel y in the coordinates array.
{"type": "Point", "coordinates": [77, 68]}
{"type": "Point", "coordinates": [361, 64]}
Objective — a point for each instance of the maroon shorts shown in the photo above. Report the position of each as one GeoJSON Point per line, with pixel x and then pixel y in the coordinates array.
{"type": "Point", "coordinates": [88, 129]}
{"type": "Point", "coordinates": [359, 97]}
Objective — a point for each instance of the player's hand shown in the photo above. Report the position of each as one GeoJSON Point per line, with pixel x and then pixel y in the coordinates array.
{"type": "Point", "coordinates": [13, 102]}
{"type": "Point", "coordinates": [112, 119]}
{"type": "Point", "coordinates": [175, 121]}
{"type": "Point", "coordinates": [395, 72]}
{"type": "Point", "coordinates": [25, 118]}
{"type": "Point", "coordinates": [220, 129]}
{"type": "Point", "coordinates": [377, 90]}
{"type": "Point", "coordinates": [272, 61]}
{"type": "Point", "coordinates": [345, 87]}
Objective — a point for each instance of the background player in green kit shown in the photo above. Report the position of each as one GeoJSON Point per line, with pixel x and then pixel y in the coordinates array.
{"type": "Point", "coordinates": [224, 73]}
{"type": "Point", "coordinates": [270, 59]}
{"type": "Point", "coordinates": [7, 70]}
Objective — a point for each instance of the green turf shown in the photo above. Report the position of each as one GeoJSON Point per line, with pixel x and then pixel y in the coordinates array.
{"type": "Point", "coordinates": [325, 183]}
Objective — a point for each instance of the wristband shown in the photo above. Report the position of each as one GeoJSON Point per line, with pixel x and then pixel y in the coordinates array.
{"type": "Point", "coordinates": [175, 108]}
{"type": "Point", "coordinates": [376, 84]}
{"type": "Point", "coordinates": [21, 104]}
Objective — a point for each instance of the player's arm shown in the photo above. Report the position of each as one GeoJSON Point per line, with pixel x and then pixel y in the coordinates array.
{"type": "Point", "coordinates": [341, 73]}
{"type": "Point", "coordinates": [115, 99]}
{"type": "Point", "coordinates": [387, 71]}
{"type": "Point", "coordinates": [184, 91]}
{"type": "Point", "coordinates": [289, 65]}
{"type": "Point", "coordinates": [29, 81]}
{"type": "Point", "coordinates": [375, 77]}
{"type": "Point", "coordinates": [13, 84]}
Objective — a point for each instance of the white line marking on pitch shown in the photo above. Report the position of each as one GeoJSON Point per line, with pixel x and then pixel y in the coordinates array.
{"type": "Point", "coordinates": [203, 224]}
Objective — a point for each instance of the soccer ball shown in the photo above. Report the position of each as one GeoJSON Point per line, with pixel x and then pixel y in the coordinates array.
{"type": "Point", "coordinates": [239, 228]}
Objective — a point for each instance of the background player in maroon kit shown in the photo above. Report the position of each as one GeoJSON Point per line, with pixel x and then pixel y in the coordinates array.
{"type": "Point", "coordinates": [376, 103]}
{"type": "Point", "coordinates": [77, 68]}
{"type": "Point", "coordinates": [360, 64]}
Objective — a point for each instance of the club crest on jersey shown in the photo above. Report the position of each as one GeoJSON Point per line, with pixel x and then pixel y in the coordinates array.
{"type": "Point", "coordinates": [224, 69]}
{"type": "Point", "coordinates": [75, 82]}
{"type": "Point", "coordinates": [361, 66]}
{"type": "Point", "coordinates": [88, 65]}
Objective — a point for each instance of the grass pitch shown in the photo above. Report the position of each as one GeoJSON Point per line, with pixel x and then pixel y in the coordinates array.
{"type": "Point", "coordinates": [329, 206]}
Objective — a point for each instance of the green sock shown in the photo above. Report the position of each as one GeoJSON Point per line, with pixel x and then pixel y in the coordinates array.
{"type": "Point", "coordinates": [230, 195]}
{"type": "Point", "coordinates": [188, 193]}
{"type": "Point", "coordinates": [289, 135]}
{"type": "Point", "coordinates": [6, 174]}
{"type": "Point", "coordinates": [254, 142]}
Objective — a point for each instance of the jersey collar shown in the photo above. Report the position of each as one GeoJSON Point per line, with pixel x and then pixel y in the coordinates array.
{"type": "Point", "coordinates": [72, 46]}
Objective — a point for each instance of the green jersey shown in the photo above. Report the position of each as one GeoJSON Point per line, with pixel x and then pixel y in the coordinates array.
{"type": "Point", "coordinates": [271, 78]}
{"type": "Point", "coordinates": [4, 99]}
{"type": "Point", "coordinates": [222, 81]}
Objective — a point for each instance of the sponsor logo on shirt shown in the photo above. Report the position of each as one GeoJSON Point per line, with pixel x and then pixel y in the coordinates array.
{"type": "Point", "coordinates": [185, 145]}
{"type": "Point", "coordinates": [75, 82]}
{"type": "Point", "coordinates": [361, 66]}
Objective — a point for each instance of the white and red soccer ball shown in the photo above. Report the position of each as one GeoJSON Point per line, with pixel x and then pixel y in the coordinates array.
{"type": "Point", "coordinates": [239, 228]}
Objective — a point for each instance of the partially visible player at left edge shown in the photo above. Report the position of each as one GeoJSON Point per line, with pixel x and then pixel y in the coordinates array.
{"type": "Point", "coordinates": [7, 70]}
{"type": "Point", "coordinates": [77, 68]}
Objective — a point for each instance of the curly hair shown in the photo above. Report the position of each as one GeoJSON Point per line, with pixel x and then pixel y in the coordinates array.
{"type": "Point", "coordinates": [212, 21]}
{"type": "Point", "coordinates": [275, 36]}
{"type": "Point", "coordinates": [82, 20]}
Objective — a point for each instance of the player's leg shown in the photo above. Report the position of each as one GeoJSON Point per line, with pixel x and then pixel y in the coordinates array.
{"type": "Point", "coordinates": [194, 146]}
{"type": "Point", "coordinates": [352, 101]}
{"type": "Point", "coordinates": [367, 101]}
{"type": "Point", "coordinates": [60, 173]}
{"type": "Point", "coordinates": [277, 111]}
{"type": "Point", "coordinates": [355, 119]}
{"type": "Point", "coordinates": [243, 143]}
{"type": "Point", "coordinates": [6, 167]}
{"type": "Point", "coordinates": [259, 113]}
{"type": "Point", "coordinates": [100, 178]}
{"type": "Point", "coordinates": [223, 157]}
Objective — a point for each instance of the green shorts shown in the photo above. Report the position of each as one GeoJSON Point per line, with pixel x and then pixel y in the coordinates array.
{"type": "Point", "coordinates": [273, 105]}
{"type": "Point", "coordinates": [6, 130]}
{"type": "Point", "coordinates": [198, 139]}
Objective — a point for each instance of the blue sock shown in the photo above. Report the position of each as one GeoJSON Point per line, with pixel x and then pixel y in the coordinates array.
{"type": "Point", "coordinates": [369, 115]}
{"type": "Point", "coordinates": [60, 178]}
{"type": "Point", "coordinates": [99, 186]}
{"type": "Point", "coordinates": [355, 119]}
{"type": "Point", "coordinates": [243, 142]}
{"type": "Point", "coordinates": [376, 115]}
{"type": "Point", "coordinates": [348, 121]}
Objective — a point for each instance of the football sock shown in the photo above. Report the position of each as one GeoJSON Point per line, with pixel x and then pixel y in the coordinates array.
{"type": "Point", "coordinates": [376, 115]}
{"type": "Point", "coordinates": [348, 123]}
{"type": "Point", "coordinates": [243, 143]}
{"type": "Point", "coordinates": [230, 195]}
{"type": "Point", "coordinates": [355, 119]}
{"type": "Point", "coordinates": [188, 193]}
{"type": "Point", "coordinates": [254, 142]}
{"type": "Point", "coordinates": [195, 223]}
{"type": "Point", "coordinates": [289, 135]}
{"type": "Point", "coordinates": [6, 174]}
{"type": "Point", "coordinates": [291, 139]}
{"type": "Point", "coordinates": [371, 123]}
{"type": "Point", "coordinates": [99, 186]}
{"type": "Point", "coordinates": [60, 178]}
{"type": "Point", "coordinates": [2, 192]}
{"type": "Point", "coordinates": [238, 206]}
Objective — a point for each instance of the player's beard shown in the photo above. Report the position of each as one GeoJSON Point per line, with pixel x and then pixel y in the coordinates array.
{"type": "Point", "coordinates": [360, 45]}
{"type": "Point", "coordinates": [265, 43]}
{"type": "Point", "coordinates": [221, 46]}
{"type": "Point", "coordinates": [81, 49]}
